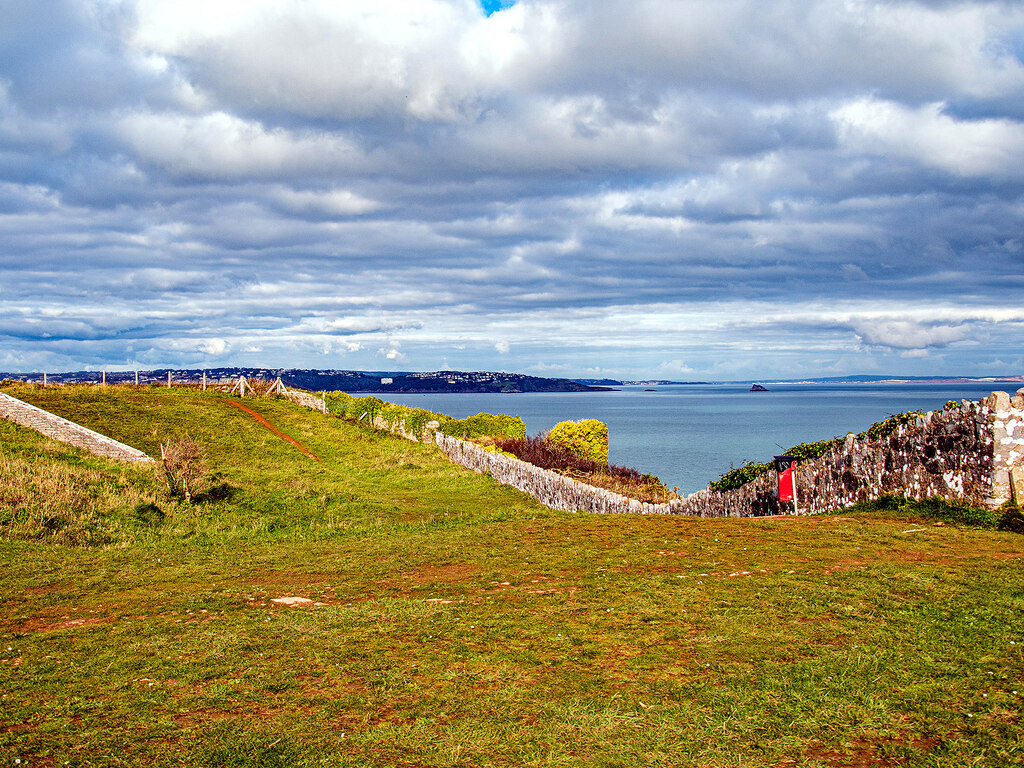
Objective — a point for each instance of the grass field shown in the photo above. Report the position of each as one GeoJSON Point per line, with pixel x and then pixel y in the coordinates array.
{"type": "Point", "coordinates": [456, 622]}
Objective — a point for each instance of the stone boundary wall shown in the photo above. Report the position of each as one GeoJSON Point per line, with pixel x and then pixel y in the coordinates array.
{"type": "Point", "coordinates": [1007, 417]}
{"type": "Point", "coordinates": [943, 453]}
{"type": "Point", "coordinates": [974, 453]}
{"type": "Point", "coordinates": [307, 400]}
{"type": "Point", "coordinates": [46, 423]}
{"type": "Point", "coordinates": [549, 488]}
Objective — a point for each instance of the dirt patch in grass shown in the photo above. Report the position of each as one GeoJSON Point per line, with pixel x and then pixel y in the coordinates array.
{"type": "Point", "coordinates": [860, 755]}
{"type": "Point", "coordinates": [47, 624]}
{"type": "Point", "coordinates": [871, 754]}
{"type": "Point", "coordinates": [275, 430]}
{"type": "Point", "coordinates": [456, 573]}
{"type": "Point", "coordinates": [199, 717]}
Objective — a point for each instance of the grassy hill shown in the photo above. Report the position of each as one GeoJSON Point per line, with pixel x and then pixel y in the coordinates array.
{"type": "Point", "coordinates": [456, 622]}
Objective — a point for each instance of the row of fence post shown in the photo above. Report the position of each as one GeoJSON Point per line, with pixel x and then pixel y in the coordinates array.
{"type": "Point", "coordinates": [103, 379]}
{"type": "Point", "coordinates": [242, 385]}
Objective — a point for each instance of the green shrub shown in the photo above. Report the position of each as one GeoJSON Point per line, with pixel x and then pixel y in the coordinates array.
{"type": "Point", "coordinates": [367, 409]}
{"type": "Point", "coordinates": [737, 477]}
{"type": "Point", "coordinates": [1012, 519]}
{"type": "Point", "coordinates": [484, 425]}
{"type": "Point", "coordinates": [587, 439]}
{"type": "Point", "coordinates": [887, 426]}
{"type": "Point", "coordinates": [740, 476]}
{"type": "Point", "coordinates": [359, 408]}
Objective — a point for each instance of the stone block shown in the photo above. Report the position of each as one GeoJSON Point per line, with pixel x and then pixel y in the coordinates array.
{"type": "Point", "coordinates": [1017, 485]}
{"type": "Point", "coordinates": [999, 401]}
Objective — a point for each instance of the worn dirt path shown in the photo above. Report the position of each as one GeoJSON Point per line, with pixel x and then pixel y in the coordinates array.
{"type": "Point", "coordinates": [275, 430]}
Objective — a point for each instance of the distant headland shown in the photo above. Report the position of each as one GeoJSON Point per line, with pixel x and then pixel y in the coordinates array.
{"type": "Point", "coordinates": [332, 380]}
{"type": "Point", "coordinates": [413, 382]}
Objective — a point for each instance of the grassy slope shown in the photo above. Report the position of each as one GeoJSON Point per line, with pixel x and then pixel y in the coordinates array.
{"type": "Point", "coordinates": [463, 624]}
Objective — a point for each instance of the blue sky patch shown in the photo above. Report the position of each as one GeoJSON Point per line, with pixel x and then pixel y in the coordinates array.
{"type": "Point", "coordinates": [493, 6]}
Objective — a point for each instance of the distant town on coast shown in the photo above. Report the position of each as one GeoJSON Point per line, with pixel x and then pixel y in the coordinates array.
{"type": "Point", "coordinates": [412, 382]}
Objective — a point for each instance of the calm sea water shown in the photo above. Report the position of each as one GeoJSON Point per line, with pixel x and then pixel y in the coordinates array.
{"type": "Point", "coordinates": [690, 434]}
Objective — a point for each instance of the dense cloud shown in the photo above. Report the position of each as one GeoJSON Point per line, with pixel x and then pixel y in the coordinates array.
{"type": "Point", "coordinates": [660, 188]}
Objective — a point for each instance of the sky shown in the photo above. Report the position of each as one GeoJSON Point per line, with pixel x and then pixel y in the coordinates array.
{"type": "Point", "coordinates": [674, 189]}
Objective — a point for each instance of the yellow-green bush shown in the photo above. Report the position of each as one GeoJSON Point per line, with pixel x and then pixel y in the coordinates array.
{"type": "Point", "coordinates": [416, 419]}
{"type": "Point", "coordinates": [587, 438]}
{"type": "Point", "coordinates": [483, 425]}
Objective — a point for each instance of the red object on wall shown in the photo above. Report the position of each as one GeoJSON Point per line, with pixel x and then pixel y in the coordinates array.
{"type": "Point", "coordinates": [785, 466]}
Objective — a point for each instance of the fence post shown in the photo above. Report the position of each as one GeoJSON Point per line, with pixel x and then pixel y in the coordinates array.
{"type": "Point", "coordinates": [44, 378]}
{"type": "Point", "coordinates": [136, 378]}
{"type": "Point", "coordinates": [168, 379]}
{"type": "Point", "coordinates": [104, 378]}
{"type": "Point", "coordinates": [204, 381]}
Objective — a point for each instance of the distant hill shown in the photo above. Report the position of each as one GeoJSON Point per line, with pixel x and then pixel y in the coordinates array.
{"type": "Point", "coordinates": [334, 380]}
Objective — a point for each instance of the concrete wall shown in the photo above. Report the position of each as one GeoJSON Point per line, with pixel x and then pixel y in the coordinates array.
{"type": "Point", "coordinates": [66, 431]}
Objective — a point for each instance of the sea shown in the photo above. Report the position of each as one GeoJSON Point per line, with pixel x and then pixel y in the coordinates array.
{"type": "Point", "coordinates": [689, 434]}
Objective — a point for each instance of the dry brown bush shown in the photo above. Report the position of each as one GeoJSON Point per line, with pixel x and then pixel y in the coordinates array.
{"type": "Point", "coordinates": [182, 467]}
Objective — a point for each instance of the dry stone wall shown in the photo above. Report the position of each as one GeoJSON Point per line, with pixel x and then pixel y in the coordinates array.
{"type": "Point", "coordinates": [20, 412]}
{"type": "Point", "coordinates": [943, 453]}
{"type": "Point", "coordinates": [307, 400]}
{"type": "Point", "coordinates": [1007, 416]}
{"type": "Point", "coordinates": [974, 453]}
{"type": "Point", "coordinates": [549, 488]}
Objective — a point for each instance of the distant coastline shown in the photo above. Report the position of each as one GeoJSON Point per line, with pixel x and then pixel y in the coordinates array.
{"type": "Point", "coordinates": [415, 382]}
{"type": "Point", "coordinates": [367, 382]}
{"type": "Point", "coordinates": [853, 379]}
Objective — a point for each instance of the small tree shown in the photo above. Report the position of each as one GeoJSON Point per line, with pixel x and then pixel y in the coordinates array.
{"type": "Point", "coordinates": [183, 467]}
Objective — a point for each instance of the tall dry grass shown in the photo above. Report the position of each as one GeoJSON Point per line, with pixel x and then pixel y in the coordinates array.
{"type": "Point", "coordinates": [44, 497]}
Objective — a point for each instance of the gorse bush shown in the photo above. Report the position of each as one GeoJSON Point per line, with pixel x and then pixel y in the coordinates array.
{"type": "Point", "coordinates": [587, 438]}
{"type": "Point", "coordinates": [484, 425]}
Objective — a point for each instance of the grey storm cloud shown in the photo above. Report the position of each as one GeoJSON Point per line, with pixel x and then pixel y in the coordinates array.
{"type": "Point", "coordinates": [562, 186]}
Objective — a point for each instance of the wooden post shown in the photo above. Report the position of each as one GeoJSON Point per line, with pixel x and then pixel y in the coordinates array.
{"type": "Point", "coordinates": [44, 378]}
{"type": "Point", "coordinates": [104, 378]}
{"type": "Point", "coordinates": [136, 378]}
{"type": "Point", "coordinates": [796, 510]}
{"type": "Point", "coordinates": [168, 379]}
{"type": "Point", "coordinates": [204, 381]}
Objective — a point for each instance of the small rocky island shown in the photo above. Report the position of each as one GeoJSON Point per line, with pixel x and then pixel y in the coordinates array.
{"type": "Point", "coordinates": [758, 388]}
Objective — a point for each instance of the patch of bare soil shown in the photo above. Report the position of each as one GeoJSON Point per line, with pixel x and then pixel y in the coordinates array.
{"type": "Point", "coordinates": [47, 624]}
{"type": "Point", "coordinates": [259, 418]}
